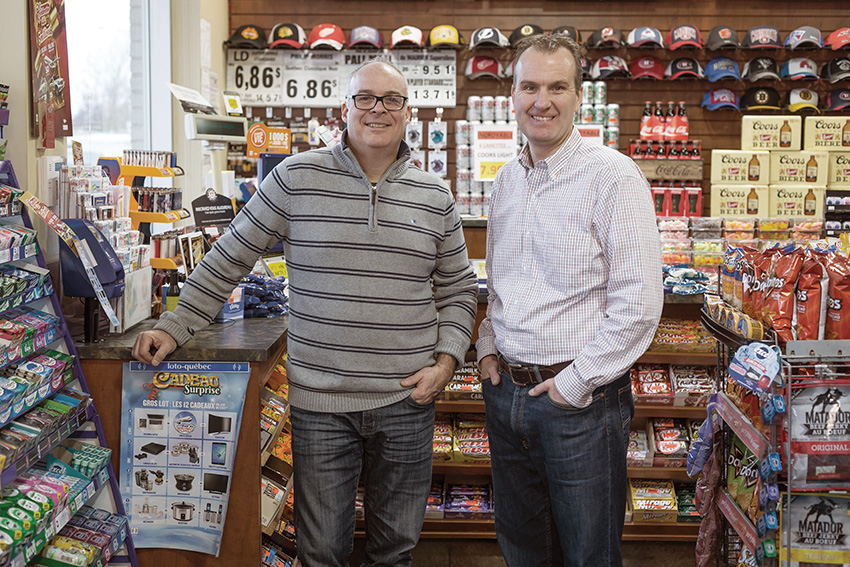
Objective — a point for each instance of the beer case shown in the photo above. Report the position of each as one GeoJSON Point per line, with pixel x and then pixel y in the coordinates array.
{"type": "Point", "coordinates": [795, 168]}
{"type": "Point", "coordinates": [771, 133]}
{"type": "Point", "coordinates": [739, 200]}
{"type": "Point", "coordinates": [827, 133]}
{"type": "Point", "coordinates": [740, 167]}
{"type": "Point", "coordinates": [839, 170]}
{"type": "Point", "coordinates": [796, 201]}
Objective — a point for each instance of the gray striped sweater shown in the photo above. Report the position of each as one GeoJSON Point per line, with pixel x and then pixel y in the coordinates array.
{"type": "Point", "coordinates": [379, 279]}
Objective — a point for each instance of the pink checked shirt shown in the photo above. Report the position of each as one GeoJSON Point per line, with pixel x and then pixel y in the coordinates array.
{"type": "Point", "coordinates": [573, 265]}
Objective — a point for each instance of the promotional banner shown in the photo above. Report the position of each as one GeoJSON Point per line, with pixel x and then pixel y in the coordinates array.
{"type": "Point", "coordinates": [180, 422]}
{"type": "Point", "coordinates": [493, 146]}
{"type": "Point", "coordinates": [51, 89]}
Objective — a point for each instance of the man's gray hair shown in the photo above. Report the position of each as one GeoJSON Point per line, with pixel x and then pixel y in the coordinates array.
{"type": "Point", "coordinates": [384, 60]}
{"type": "Point", "coordinates": [551, 44]}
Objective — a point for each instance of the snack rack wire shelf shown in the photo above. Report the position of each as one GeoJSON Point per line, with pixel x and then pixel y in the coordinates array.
{"type": "Point", "coordinates": [75, 427]}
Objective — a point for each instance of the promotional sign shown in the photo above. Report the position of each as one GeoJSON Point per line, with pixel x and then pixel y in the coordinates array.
{"type": "Point", "coordinates": [311, 79]}
{"type": "Point", "coordinates": [256, 76]}
{"type": "Point", "coordinates": [212, 208]}
{"type": "Point", "coordinates": [493, 146]}
{"type": "Point", "coordinates": [431, 77]}
{"type": "Point", "coordinates": [179, 426]}
{"type": "Point", "coordinates": [266, 139]}
{"type": "Point", "coordinates": [51, 90]}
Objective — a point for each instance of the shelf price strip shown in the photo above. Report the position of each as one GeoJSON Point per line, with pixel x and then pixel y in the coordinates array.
{"type": "Point", "coordinates": [752, 438]}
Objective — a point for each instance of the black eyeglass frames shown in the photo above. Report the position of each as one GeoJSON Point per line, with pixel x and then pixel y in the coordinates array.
{"type": "Point", "coordinates": [368, 102]}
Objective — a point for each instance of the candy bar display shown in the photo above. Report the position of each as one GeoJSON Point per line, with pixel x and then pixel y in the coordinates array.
{"type": "Point", "coordinates": [681, 335]}
{"type": "Point", "coordinates": [436, 502]}
{"type": "Point", "coordinates": [468, 501]}
{"type": "Point", "coordinates": [443, 443]}
{"type": "Point", "coordinates": [470, 443]}
{"type": "Point", "coordinates": [465, 383]}
{"type": "Point", "coordinates": [652, 500]}
{"type": "Point", "coordinates": [686, 507]}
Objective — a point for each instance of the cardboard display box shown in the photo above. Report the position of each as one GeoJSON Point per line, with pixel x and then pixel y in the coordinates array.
{"type": "Point", "coordinates": [739, 201]}
{"type": "Point", "coordinates": [799, 167]}
{"type": "Point", "coordinates": [739, 167]}
{"type": "Point", "coordinates": [796, 201]}
{"type": "Point", "coordinates": [830, 133]}
{"type": "Point", "coordinates": [771, 132]}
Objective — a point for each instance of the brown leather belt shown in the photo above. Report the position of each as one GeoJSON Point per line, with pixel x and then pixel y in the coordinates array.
{"type": "Point", "coordinates": [530, 374]}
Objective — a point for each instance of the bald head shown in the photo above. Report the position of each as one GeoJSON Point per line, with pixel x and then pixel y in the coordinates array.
{"type": "Point", "coordinates": [385, 65]}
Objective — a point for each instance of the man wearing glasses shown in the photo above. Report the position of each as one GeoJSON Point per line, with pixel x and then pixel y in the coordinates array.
{"type": "Point", "coordinates": [382, 304]}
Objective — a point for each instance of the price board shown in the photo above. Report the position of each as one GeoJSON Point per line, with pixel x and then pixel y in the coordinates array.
{"type": "Point", "coordinates": [311, 79]}
{"type": "Point", "coordinates": [256, 75]}
{"type": "Point", "coordinates": [493, 146]}
{"type": "Point", "coordinates": [431, 77]}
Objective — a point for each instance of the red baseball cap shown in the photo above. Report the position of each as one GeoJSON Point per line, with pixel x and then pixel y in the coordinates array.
{"type": "Point", "coordinates": [326, 35]}
{"type": "Point", "coordinates": [838, 39]}
{"type": "Point", "coordinates": [647, 67]}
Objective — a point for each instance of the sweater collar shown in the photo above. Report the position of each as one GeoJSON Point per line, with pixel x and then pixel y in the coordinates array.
{"type": "Point", "coordinates": [402, 158]}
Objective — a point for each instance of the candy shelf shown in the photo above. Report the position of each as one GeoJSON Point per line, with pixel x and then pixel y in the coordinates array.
{"type": "Point", "coordinates": [660, 531]}
{"type": "Point", "coordinates": [692, 412]}
{"type": "Point", "coordinates": [678, 357]}
{"type": "Point", "coordinates": [664, 473]}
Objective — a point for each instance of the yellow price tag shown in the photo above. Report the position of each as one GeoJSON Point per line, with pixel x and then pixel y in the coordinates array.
{"type": "Point", "coordinates": [489, 169]}
{"type": "Point", "coordinates": [278, 269]}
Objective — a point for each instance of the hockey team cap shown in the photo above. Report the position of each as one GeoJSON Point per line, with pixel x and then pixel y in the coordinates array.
{"type": "Point", "coordinates": [483, 66]}
{"type": "Point", "coordinates": [685, 35]}
{"type": "Point", "coordinates": [761, 68]}
{"type": "Point", "coordinates": [492, 37]}
{"type": "Point", "coordinates": [645, 37]}
{"type": "Point", "coordinates": [805, 37]}
{"type": "Point", "coordinates": [289, 36]}
{"type": "Point", "coordinates": [720, 98]}
{"type": "Point", "coordinates": [407, 36]}
{"type": "Point", "coordinates": [836, 70]}
{"type": "Point", "coordinates": [365, 36]}
{"type": "Point", "coordinates": [799, 68]}
{"type": "Point", "coordinates": [444, 36]}
{"type": "Point", "coordinates": [249, 35]}
{"type": "Point", "coordinates": [798, 99]}
{"type": "Point", "coordinates": [761, 98]}
{"type": "Point", "coordinates": [722, 37]}
{"type": "Point", "coordinates": [606, 37]}
{"type": "Point", "coordinates": [722, 68]}
{"type": "Point", "coordinates": [609, 66]}
{"type": "Point", "coordinates": [762, 37]}
{"type": "Point", "coordinates": [648, 67]}
{"type": "Point", "coordinates": [569, 31]}
{"type": "Point", "coordinates": [524, 31]}
{"type": "Point", "coordinates": [684, 67]}
{"type": "Point", "coordinates": [838, 39]}
{"type": "Point", "coordinates": [839, 99]}
{"type": "Point", "coordinates": [586, 67]}
{"type": "Point", "coordinates": [326, 35]}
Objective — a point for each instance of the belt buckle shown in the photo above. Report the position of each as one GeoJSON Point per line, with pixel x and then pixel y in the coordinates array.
{"type": "Point", "coordinates": [528, 372]}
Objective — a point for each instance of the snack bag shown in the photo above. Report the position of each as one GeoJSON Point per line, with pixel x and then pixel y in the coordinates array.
{"type": "Point", "coordinates": [778, 309]}
{"type": "Point", "coordinates": [748, 273]}
{"type": "Point", "coordinates": [837, 324]}
{"type": "Point", "coordinates": [811, 298]}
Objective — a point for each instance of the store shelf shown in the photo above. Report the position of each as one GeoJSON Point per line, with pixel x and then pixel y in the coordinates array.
{"type": "Point", "coordinates": [465, 406]}
{"type": "Point", "coordinates": [692, 412]}
{"type": "Point", "coordinates": [28, 296]}
{"type": "Point", "coordinates": [169, 217]}
{"type": "Point", "coordinates": [679, 299]}
{"type": "Point", "coordinates": [443, 467]}
{"type": "Point", "coordinates": [468, 221]}
{"type": "Point", "coordinates": [684, 169]}
{"type": "Point", "coordinates": [18, 253]}
{"type": "Point", "coordinates": [746, 431]}
{"type": "Point", "coordinates": [737, 519]}
{"type": "Point", "coordinates": [166, 263]}
{"type": "Point", "coordinates": [660, 531]}
{"type": "Point", "coordinates": [666, 473]}
{"type": "Point", "coordinates": [678, 357]}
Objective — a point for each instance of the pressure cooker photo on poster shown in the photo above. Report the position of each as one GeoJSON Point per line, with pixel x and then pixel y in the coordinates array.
{"type": "Point", "coordinates": [180, 422]}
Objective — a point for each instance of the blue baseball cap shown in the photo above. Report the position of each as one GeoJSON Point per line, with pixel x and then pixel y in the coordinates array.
{"type": "Point", "coordinates": [720, 98]}
{"type": "Point", "coordinates": [722, 68]}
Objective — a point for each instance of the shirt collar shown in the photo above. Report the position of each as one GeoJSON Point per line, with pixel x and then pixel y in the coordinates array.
{"type": "Point", "coordinates": [557, 161]}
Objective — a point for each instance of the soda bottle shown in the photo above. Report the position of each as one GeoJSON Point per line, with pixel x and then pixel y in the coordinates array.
{"type": "Point", "coordinates": [682, 131]}
{"type": "Point", "coordinates": [658, 122]}
{"type": "Point", "coordinates": [646, 122]}
{"type": "Point", "coordinates": [669, 119]}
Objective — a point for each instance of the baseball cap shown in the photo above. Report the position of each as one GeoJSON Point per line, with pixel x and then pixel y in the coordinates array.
{"type": "Point", "coordinates": [249, 35]}
{"type": "Point", "coordinates": [326, 35]}
{"type": "Point", "coordinates": [609, 66]}
{"type": "Point", "coordinates": [524, 31]}
{"type": "Point", "coordinates": [683, 67]}
{"type": "Point", "coordinates": [761, 68]}
{"type": "Point", "coordinates": [492, 37]}
{"type": "Point", "coordinates": [407, 36]}
{"type": "Point", "coordinates": [645, 36]}
{"type": "Point", "coordinates": [836, 70]}
{"type": "Point", "coordinates": [363, 36]}
{"type": "Point", "coordinates": [762, 37]}
{"type": "Point", "coordinates": [444, 36]}
{"type": "Point", "coordinates": [569, 31]}
{"type": "Point", "coordinates": [586, 67]}
{"type": "Point", "coordinates": [685, 35]}
{"type": "Point", "coordinates": [606, 37]}
{"type": "Point", "coordinates": [838, 39]}
{"type": "Point", "coordinates": [290, 36]}
{"type": "Point", "coordinates": [761, 98]}
{"type": "Point", "coordinates": [722, 68]}
{"type": "Point", "coordinates": [798, 99]}
{"type": "Point", "coordinates": [799, 68]}
{"type": "Point", "coordinates": [648, 67]}
{"type": "Point", "coordinates": [722, 37]}
{"type": "Point", "coordinates": [720, 98]}
{"type": "Point", "coordinates": [838, 99]}
{"type": "Point", "coordinates": [805, 37]}
{"type": "Point", "coordinates": [483, 66]}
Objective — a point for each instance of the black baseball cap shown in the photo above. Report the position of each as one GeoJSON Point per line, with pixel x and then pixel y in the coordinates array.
{"type": "Point", "coordinates": [569, 31]}
{"type": "Point", "coordinates": [836, 70]}
{"type": "Point", "coordinates": [838, 99]}
{"type": "Point", "coordinates": [761, 68]}
{"type": "Point", "coordinates": [761, 98]}
{"type": "Point", "coordinates": [762, 37]}
{"type": "Point", "coordinates": [524, 31]}
{"type": "Point", "coordinates": [722, 37]}
{"type": "Point", "coordinates": [586, 66]}
{"type": "Point", "coordinates": [685, 35]}
{"type": "Point", "coordinates": [249, 35]}
{"type": "Point", "coordinates": [606, 37]}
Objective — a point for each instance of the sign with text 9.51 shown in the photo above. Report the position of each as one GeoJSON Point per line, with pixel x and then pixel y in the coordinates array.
{"type": "Point", "coordinates": [256, 75]}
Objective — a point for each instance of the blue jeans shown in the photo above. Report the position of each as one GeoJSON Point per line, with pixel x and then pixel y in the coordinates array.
{"type": "Point", "coordinates": [559, 475]}
{"type": "Point", "coordinates": [393, 447]}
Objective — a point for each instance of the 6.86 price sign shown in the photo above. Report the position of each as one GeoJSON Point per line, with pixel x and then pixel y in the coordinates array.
{"type": "Point", "coordinates": [256, 75]}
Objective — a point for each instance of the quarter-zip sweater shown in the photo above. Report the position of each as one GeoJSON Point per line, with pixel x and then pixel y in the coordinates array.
{"type": "Point", "coordinates": [379, 278]}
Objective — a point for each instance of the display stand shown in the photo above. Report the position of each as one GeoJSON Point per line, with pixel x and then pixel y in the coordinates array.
{"type": "Point", "coordinates": [61, 336]}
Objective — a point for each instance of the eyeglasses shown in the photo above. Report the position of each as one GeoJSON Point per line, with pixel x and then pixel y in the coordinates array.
{"type": "Point", "coordinates": [368, 102]}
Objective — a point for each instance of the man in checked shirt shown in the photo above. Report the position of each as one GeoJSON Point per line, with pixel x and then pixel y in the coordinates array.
{"type": "Point", "coordinates": [574, 270]}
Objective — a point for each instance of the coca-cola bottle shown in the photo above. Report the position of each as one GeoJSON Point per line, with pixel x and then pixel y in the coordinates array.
{"type": "Point", "coordinates": [682, 129]}
{"type": "Point", "coordinates": [645, 122]}
{"type": "Point", "coordinates": [658, 122]}
{"type": "Point", "coordinates": [669, 121]}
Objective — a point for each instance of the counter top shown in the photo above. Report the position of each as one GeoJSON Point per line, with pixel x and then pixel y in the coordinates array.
{"type": "Point", "coordinates": [248, 340]}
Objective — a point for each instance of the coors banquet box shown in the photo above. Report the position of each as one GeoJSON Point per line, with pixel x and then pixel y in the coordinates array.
{"type": "Point", "coordinates": [739, 200]}
{"type": "Point", "coordinates": [739, 167]}
{"type": "Point", "coordinates": [796, 201]}
{"type": "Point", "coordinates": [771, 132]}
{"type": "Point", "coordinates": [839, 170]}
{"type": "Point", "coordinates": [799, 167]}
{"type": "Point", "coordinates": [830, 133]}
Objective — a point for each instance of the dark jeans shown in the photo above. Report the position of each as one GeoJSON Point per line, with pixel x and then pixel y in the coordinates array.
{"type": "Point", "coordinates": [559, 475]}
{"type": "Point", "coordinates": [393, 446]}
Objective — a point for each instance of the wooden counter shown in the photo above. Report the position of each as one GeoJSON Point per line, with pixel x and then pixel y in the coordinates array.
{"type": "Point", "coordinates": [260, 342]}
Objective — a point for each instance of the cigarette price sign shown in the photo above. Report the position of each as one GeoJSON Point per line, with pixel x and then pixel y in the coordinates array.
{"type": "Point", "coordinates": [493, 146]}
{"type": "Point", "coordinates": [256, 75]}
{"type": "Point", "coordinates": [431, 77]}
{"type": "Point", "coordinates": [311, 79]}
